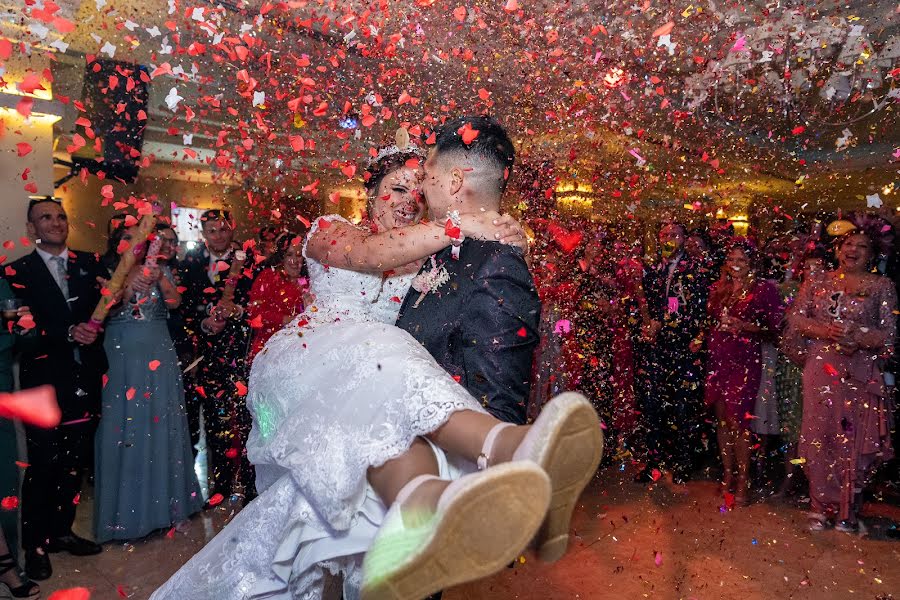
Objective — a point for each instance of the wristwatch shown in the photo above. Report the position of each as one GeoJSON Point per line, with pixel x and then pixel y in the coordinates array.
{"type": "Point", "coordinates": [69, 335]}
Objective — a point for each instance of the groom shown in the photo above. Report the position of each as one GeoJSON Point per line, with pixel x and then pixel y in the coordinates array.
{"type": "Point", "coordinates": [482, 324]}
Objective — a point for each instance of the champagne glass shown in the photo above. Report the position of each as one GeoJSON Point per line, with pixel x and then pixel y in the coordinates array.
{"type": "Point", "coordinates": [10, 309]}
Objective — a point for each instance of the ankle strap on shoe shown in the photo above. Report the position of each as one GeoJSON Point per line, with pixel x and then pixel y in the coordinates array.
{"type": "Point", "coordinates": [487, 448]}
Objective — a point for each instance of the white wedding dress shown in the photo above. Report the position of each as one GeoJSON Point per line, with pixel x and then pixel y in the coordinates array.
{"type": "Point", "coordinates": [338, 390]}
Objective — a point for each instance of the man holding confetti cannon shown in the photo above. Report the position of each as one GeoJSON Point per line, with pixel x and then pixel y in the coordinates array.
{"type": "Point", "coordinates": [217, 278]}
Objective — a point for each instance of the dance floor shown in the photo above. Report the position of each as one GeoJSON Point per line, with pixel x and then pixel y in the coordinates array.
{"type": "Point", "coordinates": [633, 541]}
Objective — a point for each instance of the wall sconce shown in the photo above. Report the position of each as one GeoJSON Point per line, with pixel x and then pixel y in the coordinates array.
{"type": "Point", "coordinates": [43, 108]}
{"type": "Point", "coordinates": [574, 195]}
{"type": "Point", "coordinates": [42, 111]}
{"type": "Point", "coordinates": [740, 223]}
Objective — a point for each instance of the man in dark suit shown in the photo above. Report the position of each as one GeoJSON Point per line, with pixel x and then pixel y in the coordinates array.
{"type": "Point", "coordinates": [222, 335]}
{"type": "Point", "coordinates": [672, 368]}
{"type": "Point", "coordinates": [482, 325]}
{"type": "Point", "coordinates": [61, 287]}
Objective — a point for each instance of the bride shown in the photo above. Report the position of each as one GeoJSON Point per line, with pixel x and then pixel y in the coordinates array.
{"type": "Point", "coordinates": [349, 414]}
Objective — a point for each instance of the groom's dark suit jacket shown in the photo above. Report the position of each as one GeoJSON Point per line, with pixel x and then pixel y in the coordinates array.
{"type": "Point", "coordinates": [482, 325]}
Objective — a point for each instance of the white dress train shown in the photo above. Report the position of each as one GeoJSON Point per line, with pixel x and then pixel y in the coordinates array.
{"type": "Point", "coordinates": [337, 391]}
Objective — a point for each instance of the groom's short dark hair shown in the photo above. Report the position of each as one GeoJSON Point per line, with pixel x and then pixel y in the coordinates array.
{"type": "Point", "coordinates": [491, 145]}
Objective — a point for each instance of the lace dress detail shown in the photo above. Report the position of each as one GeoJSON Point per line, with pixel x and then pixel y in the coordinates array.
{"type": "Point", "coordinates": [338, 390]}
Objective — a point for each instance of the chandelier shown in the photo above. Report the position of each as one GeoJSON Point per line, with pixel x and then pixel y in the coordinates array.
{"type": "Point", "coordinates": [786, 76]}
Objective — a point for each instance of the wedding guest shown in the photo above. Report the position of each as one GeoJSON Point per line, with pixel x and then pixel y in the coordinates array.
{"type": "Point", "coordinates": [591, 351]}
{"type": "Point", "coordinates": [168, 258]}
{"type": "Point", "coordinates": [213, 309]}
{"type": "Point", "coordinates": [12, 337]}
{"type": "Point", "coordinates": [557, 287]}
{"type": "Point", "coordinates": [11, 579]}
{"type": "Point", "coordinates": [611, 310]}
{"type": "Point", "coordinates": [631, 316]}
{"type": "Point", "coordinates": [809, 267]}
{"type": "Point", "coordinates": [144, 475]}
{"type": "Point", "coordinates": [267, 242]}
{"type": "Point", "coordinates": [849, 321]}
{"type": "Point", "coordinates": [277, 293]}
{"type": "Point", "coordinates": [61, 287]}
{"type": "Point", "coordinates": [671, 387]}
{"type": "Point", "coordinates": [744, 311]}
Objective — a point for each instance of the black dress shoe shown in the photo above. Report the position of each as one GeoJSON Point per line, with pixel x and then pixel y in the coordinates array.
{"type": "Point", "coordinates": [37, 565]}
{"type": "Point", "coordinates": [74, 545]}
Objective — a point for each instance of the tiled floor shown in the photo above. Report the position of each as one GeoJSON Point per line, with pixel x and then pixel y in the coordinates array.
{"type": "Point", "coordinates": [632, 541]}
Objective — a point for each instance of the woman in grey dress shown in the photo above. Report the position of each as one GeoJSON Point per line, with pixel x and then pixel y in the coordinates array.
{"type": "Point", "coordinates": [849, 320]}
{"type": "Point", "coordinates": [145, 476]}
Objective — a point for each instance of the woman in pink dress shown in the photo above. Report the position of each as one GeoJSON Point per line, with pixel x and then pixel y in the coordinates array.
{"type": "Point", "coordinates": [848, 319]}
{"type": "Point", "coordinates": [744, 309]}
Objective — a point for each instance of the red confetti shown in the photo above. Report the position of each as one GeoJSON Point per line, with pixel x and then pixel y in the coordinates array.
{"type": "Point", "coordinates": [23, 148]}
{"type": "Point", "coordinates": [24, 107]}
{"type": "Point", "coordinates": [451, 230]}
{"type": "Point", "coordinates": [567, 240]}
{"type": "Point", "coordinates": [78, 593]}
{"type": "Point", "coordinates": [154, 365]}
{"type": "Point", "coordinates": [35, 406]}
{"type": "Point", "coordinates": [522, 332]}
{"type": "Point", "coordinates": [26, 322]}
{"type": "Point", "coordinates": [216, 499]}
{"type": "Point", "coordinates": [468, 133]}
{"type": "Point", "coordinates": [664, 30]}
{"type": "Point", "coordinates": [9, 503]}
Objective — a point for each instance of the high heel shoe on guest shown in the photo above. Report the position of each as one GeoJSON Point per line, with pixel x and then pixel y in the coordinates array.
{"type": "Point", "coordinates": [816, 521]}
{"type": "Point", "coordinates": [567, 443]}
{"type": "Point", "coordinates": [28, 588]}
{"type": "Point", "coordinates": [482, 522]}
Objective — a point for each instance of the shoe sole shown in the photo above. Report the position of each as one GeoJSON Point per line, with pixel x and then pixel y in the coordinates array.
{"type": "Point", "coordinates": [482, 530]}
{"type": "Point", "coordinates": [570, 457]}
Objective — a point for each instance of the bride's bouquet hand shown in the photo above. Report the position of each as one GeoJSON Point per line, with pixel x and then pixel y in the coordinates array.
{"type": "Point", "coordinates": [492, 226]}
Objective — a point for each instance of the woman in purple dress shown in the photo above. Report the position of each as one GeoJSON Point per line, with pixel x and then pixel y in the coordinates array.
{"type": "Point", "coordinates": [744, 309]}
{"type": "Point", "coordinates": [848, 319]}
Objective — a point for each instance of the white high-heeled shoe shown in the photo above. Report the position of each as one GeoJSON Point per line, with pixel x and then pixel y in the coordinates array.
{"type": "Point", "coordinates": [567, 443]}
{"type": "Point", "coordinates": [482, 522]}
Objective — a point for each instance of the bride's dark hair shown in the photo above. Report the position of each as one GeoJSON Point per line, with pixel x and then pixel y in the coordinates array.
{"type": "Point", "coordinates": [378, 169]}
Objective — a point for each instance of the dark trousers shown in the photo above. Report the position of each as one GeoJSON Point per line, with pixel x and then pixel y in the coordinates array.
{"type": "Point", "coordinates": [193, 403]}
{"type": "Point", "coordinates": [57, 461]}
{"type": "Point", "coordinates": [227, 423]}
{"type": "Point", "coordinates": [671, 394]}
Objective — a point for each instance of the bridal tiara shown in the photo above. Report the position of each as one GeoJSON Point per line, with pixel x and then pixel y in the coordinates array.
{"type": "Point", "coordinates": [401, 144]}
{"type": "Point", "coordinates": [392, 150]}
